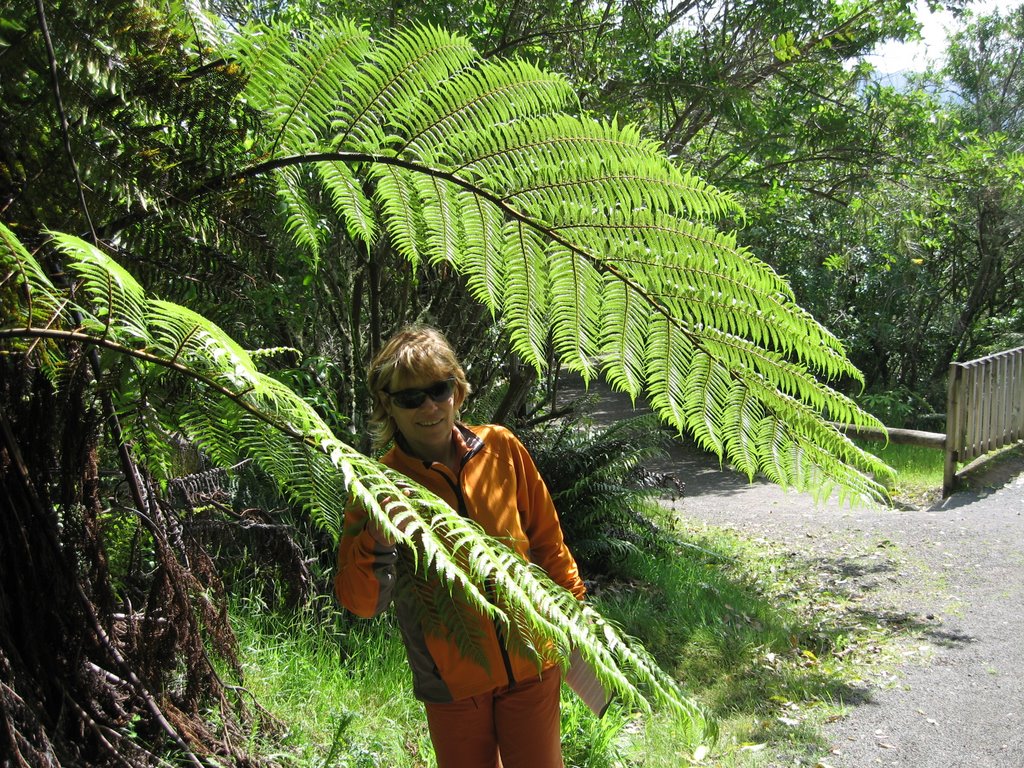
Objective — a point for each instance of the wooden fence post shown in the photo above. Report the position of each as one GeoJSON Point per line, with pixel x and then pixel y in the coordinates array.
{"type": "Point", "coordinates": [953, 428]}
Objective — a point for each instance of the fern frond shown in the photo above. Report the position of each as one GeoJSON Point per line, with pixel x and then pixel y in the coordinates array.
{"type": "Point", "coordinates": [484, 165]}
{"type": "Point", "coordinates": [27, 296]}
{"type": "Point", "coordinates": [207, 26]}
{"type": "Point", "coordinates": [777, 459]}
{"type": "Point", "coordinates": [527, 291]}
{"type": "Point", "coordinates": [441, 218]}
{"type": "Point", "coordinates": [181, 334]}
{"type": "Point", "coordinates": [442, 608]}
{"type": "Point", "coordinates": [671, 374]}
{"type": "Point", "coordinates": [623, 343]}
{"type": "Point", "coordinates": [302, 219]}
{"type": "Point", "coordinates": [743, 416]}
{"type": "Point", "coordinates": [110, 289]}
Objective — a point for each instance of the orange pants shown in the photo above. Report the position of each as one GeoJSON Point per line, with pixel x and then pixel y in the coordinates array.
{"type": "Point", "coordinates": [517, 727]}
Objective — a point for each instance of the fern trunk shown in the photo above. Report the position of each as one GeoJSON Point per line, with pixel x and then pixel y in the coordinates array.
{"type": "Point", "coordinates": [78, 669]}
{"type": "Point", "coordinates": [51, 703]}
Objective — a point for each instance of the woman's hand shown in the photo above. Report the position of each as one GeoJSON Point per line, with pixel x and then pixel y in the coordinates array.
{"type": "Point", "coordinates": [380, 535]}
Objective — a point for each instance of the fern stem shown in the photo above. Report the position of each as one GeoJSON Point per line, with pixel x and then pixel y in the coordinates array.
{"type": "Point", "coordinates": [85, 338]}
{"type": "Point", "coordinates": [65, 126]}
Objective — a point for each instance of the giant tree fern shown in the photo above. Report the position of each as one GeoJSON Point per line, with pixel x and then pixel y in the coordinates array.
{"type": "Point", "coordinates": [575, 230]}
{"type": "Point", "coordinates": [236, 412]}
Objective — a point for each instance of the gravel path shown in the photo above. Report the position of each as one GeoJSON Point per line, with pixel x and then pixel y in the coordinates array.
{"type": "Point", "coordinates": [955, 570]}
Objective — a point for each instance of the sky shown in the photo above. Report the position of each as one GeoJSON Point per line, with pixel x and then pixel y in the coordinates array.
{"type": "Point", "coordinates": [901, 57]}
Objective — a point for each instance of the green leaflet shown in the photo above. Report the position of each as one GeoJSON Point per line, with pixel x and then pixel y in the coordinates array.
{"type": "Point", "coordinates": [471, 101]}
{"type": "Point", "coordinates": [441, 220]}
{"type": "Point", "coordinates": [624, 336]}
{"type": "Point", "coordinates": [527, 291]}
{"type": "Point", "coordinates": [112, 291]}
{"type": "Point", "coordinates": [576, 318]}
{"type": "Point", "coordinates": [27, 295]}
{"type": "Point", "coordinates": [403, 213]}
{"type": "Point", "coordinates": [392, 75]}
{"type": "Point", "coordinates": [302, 219]}
{"type": "Point", "coordinates": [349, 201]}
{"type": "Point", "coordinates": [482, 261]}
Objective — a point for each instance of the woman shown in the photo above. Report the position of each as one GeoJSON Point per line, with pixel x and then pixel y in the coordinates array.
{"type": "Point", "coordinates": [492, 708]}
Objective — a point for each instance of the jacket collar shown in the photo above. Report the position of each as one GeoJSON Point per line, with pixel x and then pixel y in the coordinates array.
{"type": "Point", "coordinates": [468, 443]}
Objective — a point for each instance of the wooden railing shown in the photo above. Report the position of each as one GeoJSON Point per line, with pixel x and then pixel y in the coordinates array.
{"type": "Point", "coordinates": [984, 409]}
{"type": "Point", "coordinates": [984, 412]}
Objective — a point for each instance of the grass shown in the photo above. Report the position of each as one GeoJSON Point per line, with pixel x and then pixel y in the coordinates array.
{"type": "Point", "coordinates": [769, 644]}
{"type": "Point", "coordinates": [918, 471]}
{"type": "Point", "coordinates": [336, 687]}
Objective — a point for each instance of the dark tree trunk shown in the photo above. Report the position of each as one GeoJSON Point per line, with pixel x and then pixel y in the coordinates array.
{"type": "Point", "coordinates": [79, 668]}
{"type": "Point", "coordinates": [987, 279]}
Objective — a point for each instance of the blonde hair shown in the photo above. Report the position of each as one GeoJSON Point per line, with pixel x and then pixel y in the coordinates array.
{"type": "Point", "coordinates": [412, 352]}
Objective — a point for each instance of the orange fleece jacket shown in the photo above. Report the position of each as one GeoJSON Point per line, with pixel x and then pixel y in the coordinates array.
{"type": "Point", "coordinates": [499, 487]}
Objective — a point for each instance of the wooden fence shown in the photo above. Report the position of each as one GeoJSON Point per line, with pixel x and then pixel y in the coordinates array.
{"type": "Point", "coordinates": [984, 409]}
{"type": "Point", "coordinates": [984, 412]}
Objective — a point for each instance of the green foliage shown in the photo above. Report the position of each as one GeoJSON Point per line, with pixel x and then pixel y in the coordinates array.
{"type": "Point", "coordinates": [235, 412]}
{"type": "Point", "coordinates": [606, 498]}
{"type": "Point", "coordinates": [591, 742]}
{"type": "Point", "coordinates": [896, 408]}
{"type": "Point", "coordinates": [321, 382]}
{"type": "Point", "coordinates": [131, 87]}
{"type": "Point", "coordinates": [577, 232]}
{"type": "Point", "coordinates": [309, 185]}
{"type": "Point", "coordinates": [912, 262]}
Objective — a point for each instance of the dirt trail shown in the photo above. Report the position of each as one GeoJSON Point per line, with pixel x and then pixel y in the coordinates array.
{"type": "Point", "coordinates": [955, 570]}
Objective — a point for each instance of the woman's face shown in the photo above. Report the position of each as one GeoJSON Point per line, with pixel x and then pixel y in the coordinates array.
{"type": "Point", "coordinates": [427, 427]}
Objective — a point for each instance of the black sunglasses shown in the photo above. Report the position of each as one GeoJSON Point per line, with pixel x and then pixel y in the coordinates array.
{"type": "Point", "coordinates": [439, 391]}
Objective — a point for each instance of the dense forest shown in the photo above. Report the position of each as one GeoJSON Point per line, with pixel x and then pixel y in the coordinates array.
{"type": "Point", "coordinates": [211, 214]}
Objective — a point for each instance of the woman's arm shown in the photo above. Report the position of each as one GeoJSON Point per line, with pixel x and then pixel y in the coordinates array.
{"type": "Point", "coordinates": [365, 579]}
{"type": "Point", "coordinates": [541, 524]}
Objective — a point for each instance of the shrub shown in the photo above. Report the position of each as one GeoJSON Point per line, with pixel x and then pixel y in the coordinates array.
{"type": "Point", "coordinates": [606, 497]}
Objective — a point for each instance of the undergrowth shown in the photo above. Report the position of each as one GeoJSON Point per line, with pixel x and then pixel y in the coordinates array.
{"type": "Point", "coordinates": [337, 685]}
